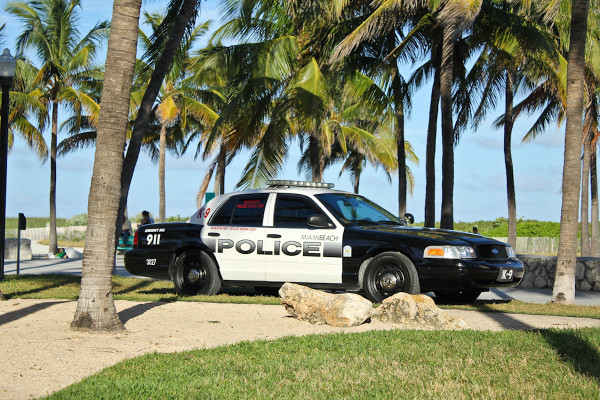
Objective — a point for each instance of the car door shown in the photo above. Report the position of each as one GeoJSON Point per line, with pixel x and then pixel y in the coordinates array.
{"type": "Point", "coordinates": [301, 253]}
{"type": "Point", "coordinates": [234, 233]}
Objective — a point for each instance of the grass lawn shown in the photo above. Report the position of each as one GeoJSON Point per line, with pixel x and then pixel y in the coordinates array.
{"type": "Point", "coordinates": [545, 364]}
{"type": "Point", "coordinates": [67, 287]}
{"type": "Point", "coordinates": [549, 364]}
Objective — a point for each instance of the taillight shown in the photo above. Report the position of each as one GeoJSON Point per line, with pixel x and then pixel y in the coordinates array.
{"type": "Point", "coordinates": [135, 239]}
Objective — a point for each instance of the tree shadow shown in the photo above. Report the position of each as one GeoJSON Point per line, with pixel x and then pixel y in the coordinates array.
{"type": "Point", "coordinates": [135, 287]}
{"type": "Point", "coordinates": [23, 312]}
{"type": "Point", "coordinates": [576, 350]}
{"type": "Point", "coordinates": [137, 310]}
{"type": "Point", "coordinates": [58, 281]}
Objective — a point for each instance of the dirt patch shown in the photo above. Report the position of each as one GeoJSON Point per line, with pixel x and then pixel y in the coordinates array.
{"type": "Point", "coordinates": [41, 354]}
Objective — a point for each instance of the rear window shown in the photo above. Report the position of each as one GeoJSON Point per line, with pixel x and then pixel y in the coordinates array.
{"type": "Point", "coordinates": [245, 210]}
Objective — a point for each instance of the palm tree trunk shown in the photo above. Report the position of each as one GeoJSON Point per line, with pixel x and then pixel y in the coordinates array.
{"type": "Point", "coordinates": [585, 206]}
{"type": "Point", "coordinates": [315, 158]}
{"type": "Point", "coordinates": [564, 281]}
{"type": "Point", "coordinates": [447, 215]}
{"type": "Point", "coordinates": [96, 309]}
{"type": "Point", "coordinates": [508, 163]}
{"type": "Point", "coordinates": [595, 250]}
{"type": "Point", "coordinates": [188, 10]}
{"type": "Point", "coordinates": [399, 111]}
{"type": "Point", "coordinates": [220, 174]}
{"type": "Point", "coordinates": [430, 152]}
{"type": "Point", "coordinates": [161, 173]}
{"type": "Point", "coordinates": [53, 246]}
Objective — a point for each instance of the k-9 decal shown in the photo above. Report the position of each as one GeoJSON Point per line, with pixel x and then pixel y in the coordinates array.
{"type": "Point", "coordinates": [277, 247]}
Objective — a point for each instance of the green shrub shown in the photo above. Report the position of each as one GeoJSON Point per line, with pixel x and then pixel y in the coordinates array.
{"type": "Point", "coordinates": [73, 236]}
{"type": "Point", "coordinates": [499, 227]}
{"type": "Point", "coordinates": [77, 220]}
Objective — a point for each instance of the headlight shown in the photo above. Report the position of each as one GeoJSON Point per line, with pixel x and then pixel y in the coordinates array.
{"type": "Point", "coordinates": [453, 252]}
{"type": "Point", "coordinates": [510, 252]}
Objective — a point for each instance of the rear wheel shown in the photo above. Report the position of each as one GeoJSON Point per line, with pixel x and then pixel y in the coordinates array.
{"type": "Point", "coordinates": [456, 296]}
{"type": "Point", "coordinates": [195, 272]}
{"type": "Point", "coordinates": [389, 273]}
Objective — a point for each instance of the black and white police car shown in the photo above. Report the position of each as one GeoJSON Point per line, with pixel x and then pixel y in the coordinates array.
{"type": "Point", "coordinates": [310, 234]}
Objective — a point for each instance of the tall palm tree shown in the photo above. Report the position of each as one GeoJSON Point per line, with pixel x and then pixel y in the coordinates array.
{"type": "Point", "coordinates": [96, 309]}
{"type": "Point", "coordinates": [27, 114]}
{"type": "Point", "coordinates": [177, 101]}
{"type": "Point", "coordinates": [516, 50]}
{"type": "Point", "coordinates": [456, 16]}
{"type": "Point", "coordinates": [178, 21]}
{"type": "Point", "coordinates": [282, 77]}
{"type": "Point", "coordinates": [50, 29]}
{"type": "Point", "coordinates": [564, 282]}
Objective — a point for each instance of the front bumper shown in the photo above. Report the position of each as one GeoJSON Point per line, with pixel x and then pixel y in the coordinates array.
{"type": "Point", "coordinates": [442, 274]}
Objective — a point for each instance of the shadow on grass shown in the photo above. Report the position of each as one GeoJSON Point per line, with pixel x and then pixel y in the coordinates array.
{"type": "Point", "coordinates": [134, 288]}
{"type": "Point", "coordinates": [55, 281]}
{"type": "Point", "coordinates": [576, 350]}
{"type": "Point", "coordinates": [23, 312]}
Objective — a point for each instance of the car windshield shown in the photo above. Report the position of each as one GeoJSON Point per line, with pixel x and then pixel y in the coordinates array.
{"type": "Point", "coordinates": [352, 209]}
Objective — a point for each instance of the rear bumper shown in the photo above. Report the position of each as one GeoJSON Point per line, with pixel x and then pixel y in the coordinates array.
{"type": "Point", "coordinates": [149, 264]}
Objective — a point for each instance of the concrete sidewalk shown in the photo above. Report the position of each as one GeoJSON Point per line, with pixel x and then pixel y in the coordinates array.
{"type": "Point", "coordinates": [41, 264]}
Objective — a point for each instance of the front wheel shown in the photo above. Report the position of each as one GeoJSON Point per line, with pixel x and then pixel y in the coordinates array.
{"type": "Point", "coordinates": [456, 296]}
{"type": "Point", "coordinates": [195, 272]}
{"type": "Point", "coordinates": [389, 273]}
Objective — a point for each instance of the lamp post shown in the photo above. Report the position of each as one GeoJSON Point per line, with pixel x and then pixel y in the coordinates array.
{"type": "Point", "coordinates": [7, 71]}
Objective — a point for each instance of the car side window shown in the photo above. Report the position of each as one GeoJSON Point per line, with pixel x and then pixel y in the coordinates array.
{"type": "Point", "coordinates": [246, 210]}
{"type": "Point", "coordinates": [293, 211]}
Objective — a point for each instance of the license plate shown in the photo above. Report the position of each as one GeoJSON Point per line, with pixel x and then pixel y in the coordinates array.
{"type": "Point", "coordinates": [505, 275]}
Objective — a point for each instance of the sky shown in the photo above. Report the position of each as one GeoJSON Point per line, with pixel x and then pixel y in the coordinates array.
{"type": "Point", "coordinates": [479, 187]}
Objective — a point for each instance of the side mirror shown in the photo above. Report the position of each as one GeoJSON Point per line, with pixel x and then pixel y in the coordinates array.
{"type": "Point", "coordinates": [318, 221]}
{"type": "Point", "coordinates": [409, 218]}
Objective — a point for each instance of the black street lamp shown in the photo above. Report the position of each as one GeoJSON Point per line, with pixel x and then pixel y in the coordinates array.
{"type": "Point", "coordinates": [7, 71]}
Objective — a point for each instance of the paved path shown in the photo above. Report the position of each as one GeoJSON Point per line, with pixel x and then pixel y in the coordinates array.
{"type": "Point", "coordinates": [41, 264]}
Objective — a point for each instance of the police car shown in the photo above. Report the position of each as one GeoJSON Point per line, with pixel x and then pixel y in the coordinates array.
{"type": "Point", "coordinates": [311, 234]}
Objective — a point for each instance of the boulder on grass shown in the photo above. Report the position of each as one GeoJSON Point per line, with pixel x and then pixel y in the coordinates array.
{"type": "Point", "coordinates": [317, 307]}
{"type": "Point", "coordinates": [416, 312]}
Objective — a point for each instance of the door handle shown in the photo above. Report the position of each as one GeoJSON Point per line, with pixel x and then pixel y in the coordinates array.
{"type": "Point", "coordinates": [273, 236]}
{"type": "Point", "coordinates": [214, 234]}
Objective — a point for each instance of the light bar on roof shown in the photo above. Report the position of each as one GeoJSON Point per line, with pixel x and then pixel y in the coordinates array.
{"type": "Point", "coordinates": [288, 183]}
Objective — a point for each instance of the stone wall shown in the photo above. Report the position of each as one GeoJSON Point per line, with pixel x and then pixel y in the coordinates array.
{"type": "Point", "coordinates": [11, 246]}
{"type": "Point", "coordinates": [540, 271]}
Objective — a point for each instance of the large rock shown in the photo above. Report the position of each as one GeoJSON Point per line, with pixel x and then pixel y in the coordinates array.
{"type": "Point", "coordinates": [417, 312]}
{"type": "Point", "coordinates": [317, 307]}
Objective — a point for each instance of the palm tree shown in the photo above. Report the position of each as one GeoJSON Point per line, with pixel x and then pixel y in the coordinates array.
{"type": "Point", "coordinates": [67, 63]}
{"type": "Point", "coordinates": [178, 21]}
{"type": "Point", "coordinates": [279, 74]}
{"type": "Point", "coordinates": [177, 100]}
{"type": "Point", "coordinates": [96, 309]}
{"type": "Point", "coordinates": [514, 46]}
{"type": "Point", "coordinates": [564, 282]}
{"type": "Point", "coordinates": [27, 115]}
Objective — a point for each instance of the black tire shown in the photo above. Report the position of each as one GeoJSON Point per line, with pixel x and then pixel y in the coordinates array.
{"type": "Point", "coordinates": [456, 296]}
{"type": "Point", "coordinates": [195, 272]}
{"type": "Point", "coordinates": [267, 290]}
{"type": "Point", "coordinates": [389, 273]}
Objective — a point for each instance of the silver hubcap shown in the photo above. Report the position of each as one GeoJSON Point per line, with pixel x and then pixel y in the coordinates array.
{"type": "Point", "coordinates": [389, 281]}
{"type": "Point", "coordinates": [193, 275]}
